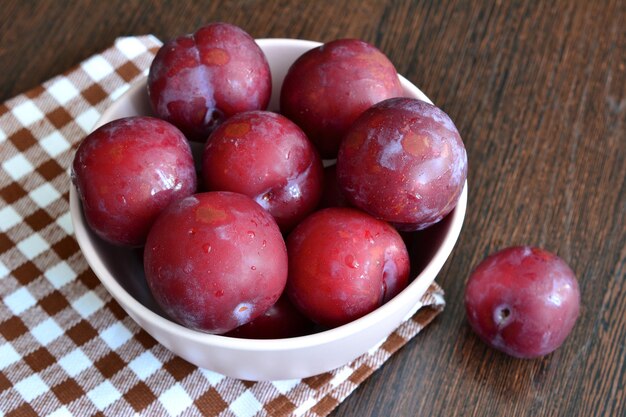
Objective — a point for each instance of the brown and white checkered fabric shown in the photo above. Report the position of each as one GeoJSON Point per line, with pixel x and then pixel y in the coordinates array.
{"type": "Point", "coordinates": [66, 347]}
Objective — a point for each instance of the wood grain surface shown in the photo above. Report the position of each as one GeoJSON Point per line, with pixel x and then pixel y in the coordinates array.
{"type": "Point", "coordinates": [537, 90]}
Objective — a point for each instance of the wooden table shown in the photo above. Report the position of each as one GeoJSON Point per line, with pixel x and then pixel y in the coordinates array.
{"type": "Point", "coordinates": [538, 92]}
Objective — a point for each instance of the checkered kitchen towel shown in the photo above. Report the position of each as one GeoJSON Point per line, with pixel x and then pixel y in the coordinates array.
{"type": "Point", "coordinates": [66, 347]}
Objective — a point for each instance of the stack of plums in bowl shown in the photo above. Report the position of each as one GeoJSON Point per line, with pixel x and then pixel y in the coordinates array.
{"type": "Point", "coordinates": [229, 233]}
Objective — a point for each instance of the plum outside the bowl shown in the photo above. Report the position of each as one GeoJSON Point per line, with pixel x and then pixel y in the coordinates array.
{"type": "Point", "coordinates": [523, 301]}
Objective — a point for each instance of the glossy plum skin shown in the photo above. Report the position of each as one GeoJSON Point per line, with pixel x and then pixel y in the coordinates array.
{"type": "Point", "coordinates": [127, 171]}
{"type": "Point", "coordinates": [344, 264]}
{"type": "Point", "coordinates": [328, 87]}
{"type": "Point", "coordinates": [196, 81]}
{"type": "Point", "coordinates": [280, 321]}
{"type": "Point", "coordinates": [215, 261]}
{"type": "Point", "coordinates": [523, 301]}
{"type": "Point", "coordinates": [403, 161]}
{"type": "Point", "coordinates": [268, 158]}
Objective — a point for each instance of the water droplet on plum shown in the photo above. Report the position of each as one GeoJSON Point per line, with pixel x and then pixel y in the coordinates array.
{"type": "Point", "coordinates": [351, 262]}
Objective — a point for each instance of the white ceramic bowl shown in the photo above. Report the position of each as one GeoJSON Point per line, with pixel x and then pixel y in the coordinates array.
{"type": "Point", "coordinates": [120, 270]}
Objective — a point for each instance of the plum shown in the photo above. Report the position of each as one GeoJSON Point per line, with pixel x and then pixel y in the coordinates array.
{"type": "Point", "coordinates": [280, 321]}
{"type": "Point", "coordinates": [523, 301]}
{"type": "Point", "coordinates": [127, 171]}
{"type": "Point", "coordinates": [215, 261]}
{"type": "Point", "coordinates": [328, 87]}
{"type": "Point", "coordinates": [403, 161]}
{"type": "Point", "coordinates": [267, 157]}
{"type": "Point", "coordinates": [343, 264]}
{"type": "Point", "coordinates": [196, 81]}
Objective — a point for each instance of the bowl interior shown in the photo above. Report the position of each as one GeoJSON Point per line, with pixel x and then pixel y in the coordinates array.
{"type": "Point", "coordinates": [121, 269]}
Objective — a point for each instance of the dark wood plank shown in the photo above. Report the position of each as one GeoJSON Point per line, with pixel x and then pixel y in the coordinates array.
{"type": "Point", "coordinates": [538, 92]}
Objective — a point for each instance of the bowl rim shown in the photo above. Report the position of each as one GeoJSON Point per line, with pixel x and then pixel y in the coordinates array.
{"type": "Point", "coordinates": [137, 309]}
